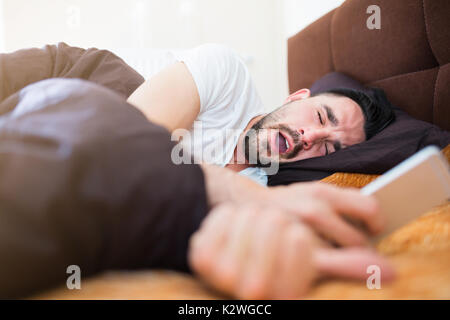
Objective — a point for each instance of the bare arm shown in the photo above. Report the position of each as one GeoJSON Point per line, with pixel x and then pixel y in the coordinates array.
{"type": "Point", "coordinates": [224, 185]}
{"type": "Point", "coordinates": [170, 98]}
{"type": "Point", "coordinates": [317, 204]}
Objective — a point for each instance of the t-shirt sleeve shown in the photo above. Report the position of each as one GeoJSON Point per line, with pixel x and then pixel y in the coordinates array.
{"type": "Point", "coordinates": [218, 72]}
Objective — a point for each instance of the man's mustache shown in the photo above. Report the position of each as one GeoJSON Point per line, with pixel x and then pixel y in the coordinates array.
{"type": "Point", "coordinates": [265, 123]}
{"type": "Point", "coordinates": [296, 138]}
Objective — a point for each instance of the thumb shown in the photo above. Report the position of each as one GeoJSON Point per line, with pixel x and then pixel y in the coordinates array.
{"type": "Point", "coordinates": [351, 263]}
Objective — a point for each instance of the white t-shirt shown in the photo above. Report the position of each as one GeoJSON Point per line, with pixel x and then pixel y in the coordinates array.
{"type": "Point", "coordinates": [228, 101]}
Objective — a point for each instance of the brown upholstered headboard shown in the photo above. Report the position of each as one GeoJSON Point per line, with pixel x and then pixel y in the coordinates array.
{"type": "Point", "coordinates": [408, 57]}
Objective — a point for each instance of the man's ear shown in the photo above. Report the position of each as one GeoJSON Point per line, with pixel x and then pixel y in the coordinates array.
{"type": "Point", "coordinates": [298, 95]}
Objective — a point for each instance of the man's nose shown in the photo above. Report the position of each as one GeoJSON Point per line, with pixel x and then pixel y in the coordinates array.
{"type": "Point", "coordinates": [312, 136]}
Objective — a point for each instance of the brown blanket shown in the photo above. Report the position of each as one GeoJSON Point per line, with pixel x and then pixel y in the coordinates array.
{"type": "Point", "coordinates": [23, 67]}
{"type": "Point", "coordinates": [420, 251]}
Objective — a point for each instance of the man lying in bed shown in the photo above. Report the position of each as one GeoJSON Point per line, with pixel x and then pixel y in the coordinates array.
{"type": "Point", "coordinates": [209, 88]}
{"type": "Point", "coordinates": [208, 91]}
{"type": "Point", "coordinates": [86, 180]}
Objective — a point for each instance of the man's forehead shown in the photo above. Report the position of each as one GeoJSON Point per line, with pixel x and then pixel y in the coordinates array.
{"type": "Point", "coordinates": [346, 110]}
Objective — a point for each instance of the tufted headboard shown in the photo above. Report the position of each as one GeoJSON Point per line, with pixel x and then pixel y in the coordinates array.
{"type": "Point", "coordinates": [408, 57]}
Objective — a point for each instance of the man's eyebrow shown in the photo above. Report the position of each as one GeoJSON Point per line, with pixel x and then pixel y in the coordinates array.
{"type": "Point", "coordinates": [331, 116]}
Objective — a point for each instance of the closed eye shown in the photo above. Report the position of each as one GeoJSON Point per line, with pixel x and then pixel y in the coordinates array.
{"type": "Point", "coordinates": [321, 122]}
{"type": "Point", "coordinates": [320, 118]}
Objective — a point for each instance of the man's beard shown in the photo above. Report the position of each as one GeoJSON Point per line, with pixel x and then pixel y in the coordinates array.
{"type": "Point", "coordinates": [251, 141]}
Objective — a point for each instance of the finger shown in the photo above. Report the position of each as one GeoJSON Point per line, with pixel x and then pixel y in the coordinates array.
{"type": "Point", "coordinates": [295, 269]}
{"type": "Point", "coordinates": [352, 263]}
{"type": "Point", "coordinates": [210, 239]}
{"type": "Point", "coordinates": [260, 269]}
{"type": "Point", "coordinates": [321, 217]}
{"type": "Point", "coordinates": [236, 250]}
{"type": "Point", "coordinates": [351, 202]}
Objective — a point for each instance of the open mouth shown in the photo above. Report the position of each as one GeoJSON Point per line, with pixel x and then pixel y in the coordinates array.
{"type": "Point", "coordinates": [283, 143]}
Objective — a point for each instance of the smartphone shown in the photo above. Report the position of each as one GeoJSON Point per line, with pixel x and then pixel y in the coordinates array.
{"type": "Point", "coordinates": [411, 188]}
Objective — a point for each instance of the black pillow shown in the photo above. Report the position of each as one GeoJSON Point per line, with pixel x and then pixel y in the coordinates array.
{"type": "Point", "coordinates": [401, 139]}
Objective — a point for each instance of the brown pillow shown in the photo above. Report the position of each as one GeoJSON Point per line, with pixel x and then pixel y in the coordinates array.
{"type": "Point", "coordinates": [401, 139]}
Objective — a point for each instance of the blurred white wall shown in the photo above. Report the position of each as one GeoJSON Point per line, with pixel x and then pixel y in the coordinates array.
{"type": "Point", "coordinates": [257, 29]}
{"type": "Point", "coordinates": [300, 13]}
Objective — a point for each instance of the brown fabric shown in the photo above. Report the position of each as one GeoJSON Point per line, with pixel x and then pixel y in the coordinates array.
{"type": "Point", "coordinates": [23, 67]}
{"type": "Point", "coordinates": [87, 180]}
{"type": "Point", "coordinates": [416, 89]}
{"type": "Point", "coordinates": [316, 37]}
{"type": "Point", "coordinates": [436, 14]}
{"type": "Point", "coordinates": [398, 47]}
{"type": "Point", "coordinates": [408, 56]}
{"type": "Point", "coordinates": [441, 97]}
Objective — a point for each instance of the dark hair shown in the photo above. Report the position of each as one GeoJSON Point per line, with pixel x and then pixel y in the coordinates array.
{"type": "Point", "coordinates": [377, 110]}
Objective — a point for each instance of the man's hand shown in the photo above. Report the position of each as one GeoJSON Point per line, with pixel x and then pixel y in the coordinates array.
{"type": "Point", "coordinates": [327, 208]}
{"type": "Point", "coordinates": [323, 207]}
{"type": "Point", "coordinates": [254, 252]}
